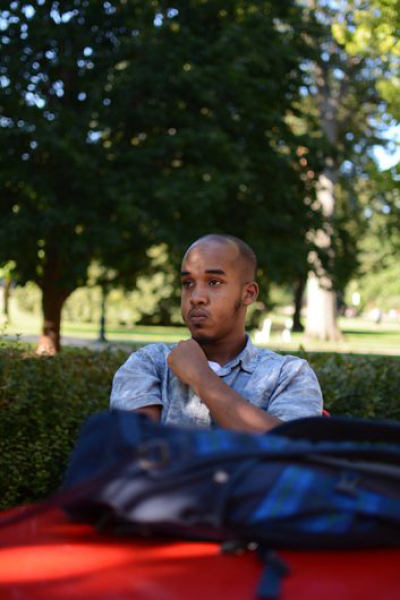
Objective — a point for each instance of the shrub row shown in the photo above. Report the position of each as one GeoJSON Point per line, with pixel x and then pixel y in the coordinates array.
{"type": "Point", "coordinates": [43, 402]}
{"type": "Point", "coordinates": [358, 385]}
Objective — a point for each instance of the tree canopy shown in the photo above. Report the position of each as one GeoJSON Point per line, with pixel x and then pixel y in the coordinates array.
{"type": "Point", "coordinates": [56, 205]}
{"type": "Point", "coordinates": [375, 34]}
{"type": "Point", "coordinates": [125, 123]}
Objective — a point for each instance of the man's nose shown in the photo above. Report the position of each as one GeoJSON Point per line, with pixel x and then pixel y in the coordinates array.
{"type": "Point", "coordinates": [199, 295]}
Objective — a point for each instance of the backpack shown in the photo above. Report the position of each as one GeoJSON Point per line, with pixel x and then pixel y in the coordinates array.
{"type": "Point", "coordinates": [310, 483]}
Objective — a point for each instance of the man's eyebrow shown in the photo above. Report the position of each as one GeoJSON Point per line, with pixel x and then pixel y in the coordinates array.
{"type": "Point", "coordinates": [215, 272]}
{"type": "Point", "coordinates": [208, 271]}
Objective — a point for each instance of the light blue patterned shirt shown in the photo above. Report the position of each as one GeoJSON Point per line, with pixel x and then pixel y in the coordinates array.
{"type": "Point", "coordinates": [285, 386]}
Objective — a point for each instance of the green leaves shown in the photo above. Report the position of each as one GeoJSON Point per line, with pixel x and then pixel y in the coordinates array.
{"type": "Point", "coordinates": [126, 125]}
{"type": "Point", "coordinates": [44, 401]}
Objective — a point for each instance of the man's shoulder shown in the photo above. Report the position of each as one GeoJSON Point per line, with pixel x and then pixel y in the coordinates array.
{"type": "Point", "coordinates": [151, 358]}
{"type": "Point", "coordinates": [156, 352]}
{"type": "Point", "coordinates": [264, 355]}
{"type": "Point", "coordinates": [268, 359]}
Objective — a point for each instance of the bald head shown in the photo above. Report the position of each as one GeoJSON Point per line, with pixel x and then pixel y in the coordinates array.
{"type": "Point", "coordinates": [245, 257]}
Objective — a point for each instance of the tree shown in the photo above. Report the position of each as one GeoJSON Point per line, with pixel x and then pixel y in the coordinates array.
{"type": "Point", "coordinates": [6, 279]}
{"type": "Point", "coordinates": [59, 208]}
{"type": "Point", "coordinates": [344, 98]}
{"type": "Point", "coordinates": [126, 124]}
{"type": "Point", "coordinates": [208, 124]}
{"type": "Point", "coordinates": [378, 280]}
{"type": "Point", "coordinates": [374, 35]}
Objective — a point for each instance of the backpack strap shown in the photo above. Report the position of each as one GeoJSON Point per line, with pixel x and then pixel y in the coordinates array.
{"type": "Point", "coordinates": [339, 429]}
{"type": "Point", "coordinates": [275, 570]}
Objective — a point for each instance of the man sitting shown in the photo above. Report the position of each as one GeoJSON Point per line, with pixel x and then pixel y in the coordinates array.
{"type": "Point", "coordinates": [217, 376]}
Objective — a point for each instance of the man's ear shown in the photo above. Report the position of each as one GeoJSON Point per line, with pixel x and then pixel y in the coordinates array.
{"type": "Point", "coordinates": [250, 293]}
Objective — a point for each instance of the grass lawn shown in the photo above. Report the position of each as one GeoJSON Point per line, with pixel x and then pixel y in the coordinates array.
{"type": "Point", "coordinates": [361, 335]}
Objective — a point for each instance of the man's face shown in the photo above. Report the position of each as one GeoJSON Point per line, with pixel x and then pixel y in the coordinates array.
{"type": "Point", "coordinates": [214, 295]}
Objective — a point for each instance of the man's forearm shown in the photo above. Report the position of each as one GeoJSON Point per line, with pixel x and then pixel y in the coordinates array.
{"type": "Point", "coordinates": [226, 406]}
{"type": "Point", "coordinates": [230, 410]}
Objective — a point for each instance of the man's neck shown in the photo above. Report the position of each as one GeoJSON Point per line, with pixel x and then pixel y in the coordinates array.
{"type": "Point", "coordinates": [221, 352]}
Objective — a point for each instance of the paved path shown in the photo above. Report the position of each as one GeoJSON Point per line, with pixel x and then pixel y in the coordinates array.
{"type": "Point", "coordinates": [71, 341]}
{"type": "Point", "coordinates": [127, 345]}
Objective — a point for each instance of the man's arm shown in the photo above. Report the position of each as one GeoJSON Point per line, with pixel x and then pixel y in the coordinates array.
{"type": "Point", "coordinates": [228, 408]}
{"type": "Point", "coordinates": [297, 393]}
{"type": "Point", "coordinates": [137, 384]}
{"type": "Point", "coordinates": [153, 411]}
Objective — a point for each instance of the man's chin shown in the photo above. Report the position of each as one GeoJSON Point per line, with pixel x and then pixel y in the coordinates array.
{"type": "Point", "coordinates": [202, 338]}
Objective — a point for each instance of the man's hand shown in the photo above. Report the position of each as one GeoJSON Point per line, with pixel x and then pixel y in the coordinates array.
{"type": "Point", "coordinates": [189, 363]}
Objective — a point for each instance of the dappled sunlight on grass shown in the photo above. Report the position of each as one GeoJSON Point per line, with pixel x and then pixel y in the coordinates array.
{"type": "Point", "coordinates": [361, 335]}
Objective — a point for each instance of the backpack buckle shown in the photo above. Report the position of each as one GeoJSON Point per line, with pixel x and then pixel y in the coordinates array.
{"type": "Point", "coordinates": [153, 454]}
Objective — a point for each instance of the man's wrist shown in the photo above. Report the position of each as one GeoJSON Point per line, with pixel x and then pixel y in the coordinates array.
{"type": "Point", "coordinates": [205, 382]}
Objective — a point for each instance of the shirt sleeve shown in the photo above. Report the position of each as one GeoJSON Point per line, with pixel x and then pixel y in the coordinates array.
{"type": "Point", "coordinates": [137, 383]}
{"type": "Point", "coordinates": [297, 393]}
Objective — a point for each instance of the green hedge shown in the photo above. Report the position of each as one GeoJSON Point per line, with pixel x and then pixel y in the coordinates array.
{"type": "Point", "coordinates": [43, 402]}
{"type": "Point", "coordinates": [358, 385]}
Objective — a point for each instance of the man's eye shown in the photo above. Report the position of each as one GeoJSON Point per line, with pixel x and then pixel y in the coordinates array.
{"type": "Point", "coordinates": [215, 282]}
{"type": "Point", "coordinates": [186, 283]}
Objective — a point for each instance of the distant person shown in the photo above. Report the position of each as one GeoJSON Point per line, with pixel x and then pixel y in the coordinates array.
{"type": "Point", "coordinates": [376, 315]}
{"type": "Point", "coordinates": [217, 377]}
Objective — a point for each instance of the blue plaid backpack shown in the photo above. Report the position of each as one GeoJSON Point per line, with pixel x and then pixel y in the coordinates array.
{"type": "Point", "coordinates": [311, 483]}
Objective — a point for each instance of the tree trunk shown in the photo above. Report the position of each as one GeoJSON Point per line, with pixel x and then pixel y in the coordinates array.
{"type": "Point", "coordinates": [6, 298]}
{"type": "Point", "coordinates": [298, 301]}
{"type": "Point", "coordinates": [321, 319]}
{"type": "Point", "coordinates": [53, 300]}
{"type": "Point", "coordinates": [321, 310]}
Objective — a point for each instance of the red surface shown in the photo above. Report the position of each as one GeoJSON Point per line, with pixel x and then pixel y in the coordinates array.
{"type": "Point", "coordinates": [47, 558]}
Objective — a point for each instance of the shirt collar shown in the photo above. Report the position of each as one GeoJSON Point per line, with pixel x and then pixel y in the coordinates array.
{"type": "Point", "coordinates": [246, 358]}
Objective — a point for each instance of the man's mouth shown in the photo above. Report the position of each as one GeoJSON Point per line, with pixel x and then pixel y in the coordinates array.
{"type": "Point", "coordinates": [198, 316]}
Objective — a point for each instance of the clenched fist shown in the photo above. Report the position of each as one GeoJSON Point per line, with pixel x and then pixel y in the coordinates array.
{"type": "Point", "coordinates": [189, 363]}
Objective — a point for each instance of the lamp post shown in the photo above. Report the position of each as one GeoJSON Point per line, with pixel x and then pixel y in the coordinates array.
{"type": "Point", "coordinates": [102, 332]}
